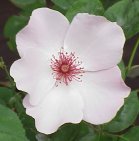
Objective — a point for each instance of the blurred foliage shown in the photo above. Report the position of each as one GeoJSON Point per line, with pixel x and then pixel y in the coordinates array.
{"type": "Point", "coordinates": [13, 117]}
{"type": "Point", "coordinates": [131, 135]}
{"type": "Point", "coordinates": [126, 14]}
{"type": "Point", "coordinates": [134, 71]}
{"type": "Point", "coordinates": [29, 5]}
{"type": "Point", "coordinates": [122, 68]}
{"type": "Point", "coordinates": [11, 128]}
{"type": "Point", "coordinates": [16, 23]}
{"type": "Point", "coordinates": [13, 25]}
{"type": "Point", "coordinates": [64, 4]}
{"type": "Point", "coordinates": [108, 3]}
{"type": "Point", "coordinates": [5, 95]}
{"type": "Point", "coordinates": [85, 6]}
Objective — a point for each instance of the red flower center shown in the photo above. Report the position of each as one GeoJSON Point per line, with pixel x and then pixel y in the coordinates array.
{"type": "Point", "coordinates": [66, 67]}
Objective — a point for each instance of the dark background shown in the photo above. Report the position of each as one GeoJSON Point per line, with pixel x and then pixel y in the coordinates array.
{"type": "Point", "coordinates": [7, 9]}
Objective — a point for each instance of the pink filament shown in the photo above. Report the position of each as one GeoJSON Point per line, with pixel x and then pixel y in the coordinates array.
{"type": "Point", "coordinates": [66, 67]}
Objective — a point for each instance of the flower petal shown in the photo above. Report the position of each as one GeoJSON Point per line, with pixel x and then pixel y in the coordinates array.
{"type": "Point", "coordinates": [103, 93]}
{"type": "Point", "coordinates": [32, 74]}
{"type": "Point", "coordinates": [96, 41]}
{"type": "Point", "coordinates": [26, 102]}
{"type": "Point", "coordinates": [46, 30]}
{"type": "Point", "coordinates": [61, 105]}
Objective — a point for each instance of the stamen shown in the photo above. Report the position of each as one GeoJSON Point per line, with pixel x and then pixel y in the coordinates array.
{"type": "Point", "coordinates": [66, 67]}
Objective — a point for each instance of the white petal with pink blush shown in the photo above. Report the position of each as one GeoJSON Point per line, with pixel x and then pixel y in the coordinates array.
{"type": "Point", "coordinates": [69, 71]}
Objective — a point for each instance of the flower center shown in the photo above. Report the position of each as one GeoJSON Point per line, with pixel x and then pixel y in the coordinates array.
{"type": "Point", "coordinates": [66, 67]}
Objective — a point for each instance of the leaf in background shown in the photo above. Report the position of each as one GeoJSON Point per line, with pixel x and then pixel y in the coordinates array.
{"type": "Point", "coordinates": [64, 4]}
{"type": "Point", "coordinates": [11, 43]}
{"type": "Point", "coordinates": [13, 25]}
{"type": "Point", "coordinates": [72, 132]}
{"type": "Point", "coordinates": [11, 128]}
{"type": "Point", "coordinates": [5, 95]}
{"type": "Point", "coordinates": [57, 8]}
{"type": "Point", "coordinates": [2, 102]}
{"type": "Point", "coordinates": [14, 100]}
{"type": "Point", "coordinates": [29, 125]}
{"type": "Point", "coordinates": [93, 136]}
{"type": "Point", "coordinates": [29, 4]}
{"type": "Point", "coordinates": [122, 68]}
{"type": "Point", "coordinates": [131, 135]}
{"type": "Point", "coordinates": [126, 14]}
{"type": "Point", "coordinates": [108, 3]}
{"type": "Point", "coordinates": [85, 6]}
{"type": "Point", "coordinates": [16, 23]}
{"type": "Point", "coordinates": [90, 137]}
{"type": "Point", "coordinates": [78, 132]}
{"type": "Point", "coordinates": [108, 138]}
{"type": "Point", "coordinates": [126, 116]}
{"type": "Point", "coordinates": [133, 72]}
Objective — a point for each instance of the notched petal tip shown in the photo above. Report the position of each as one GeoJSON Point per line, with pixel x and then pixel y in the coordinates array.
{"type": "Point", "coordinates": [58, 108]}
{"type": "Point", "coordinates": [45, 34]}
{"type": "Point", "coordinates": [51, 130]}
{"type": "Point", "coordinates": [97, 41]}
{"type": "Point", "coordinates": [103, 93]}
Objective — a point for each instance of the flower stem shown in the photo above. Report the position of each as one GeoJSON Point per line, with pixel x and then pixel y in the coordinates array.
{"type": "Point", "coordinates": [100, 133]}
{"type": "Point", "coordinates": [4, 67]}
{"type": "Point", "coordinates": [132, 56]}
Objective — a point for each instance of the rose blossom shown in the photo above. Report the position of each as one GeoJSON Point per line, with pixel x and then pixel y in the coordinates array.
{"type": "Point", "coordinates": [69, 71]}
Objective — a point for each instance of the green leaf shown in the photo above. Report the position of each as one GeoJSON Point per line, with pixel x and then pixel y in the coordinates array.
{"type": "Point", "coordinates": [11, 128]}
{"type": "Point", "coordinates": [29, 4]}
{"type": "Point", "coordinates": [126, 116]}
{"type": "Point", "coordinates": [90, 137]}
{"type": "Point", "coordinates": [14, 24]}
{"type": "Point", "coordinates": [11, 43]}
{"type": "Point", "coordinates": [64, 4]}
{"type": "Point", "coordinates": [98, 137]}
{"type": "Point", "coordinates": [76, 132]}
{"type": "Point", "coordinates": [133, 72]}
{"type": "Point", "coordinates": [57, 8]}
{"type": "Point", "coordinates": [126, 14]}
{"type": "Point", "coordinates": [29, 125]}
{"type": "Point", "coordinates": [122, 68]}
{"type": "Point", "coordinates": [2, 102]}
{"type": "Point", "coordinates": [108, 3]}
{"type": "Point", "coordinates": [72, 132]}
{"type": "Point", "coordinates": [5, 94]}
{"type": "Point", "coordinates": [108, 138]}
{"type": "Point", "coordinates": [79, 132]}
{"type": "Point", "coordinates": [131, 135]}
{"type": "Point", "coordinates": [85, 6]}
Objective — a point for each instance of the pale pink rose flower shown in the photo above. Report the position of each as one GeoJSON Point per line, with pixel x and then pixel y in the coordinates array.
{"type": "Point", "coordinates": [69, 70]}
